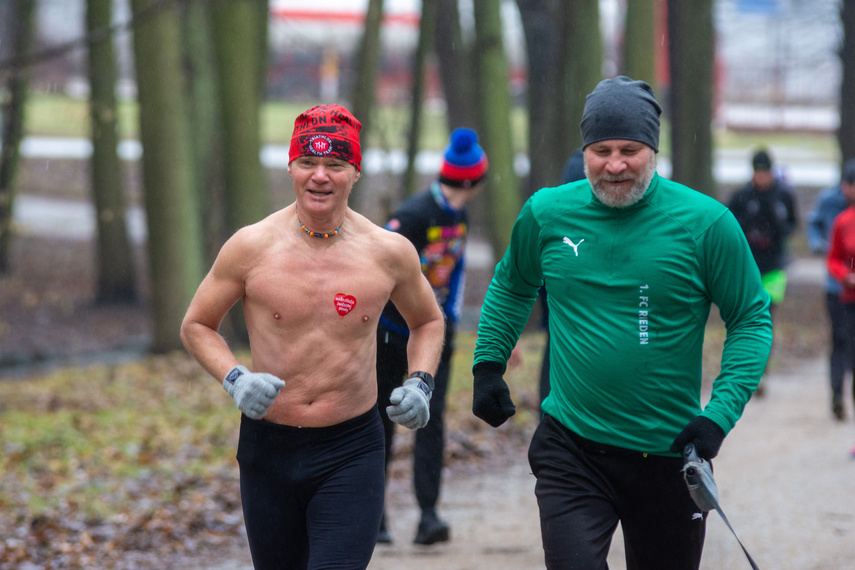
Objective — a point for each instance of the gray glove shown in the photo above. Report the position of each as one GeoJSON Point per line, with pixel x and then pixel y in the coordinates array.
{"type": "Point", "coordinates": [253, 392]}
{"type": "Point", "coordinates": [410, 405]}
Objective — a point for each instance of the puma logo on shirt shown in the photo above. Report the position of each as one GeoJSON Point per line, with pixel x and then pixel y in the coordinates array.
{"type": "Point", "coordinates": [575, 246]}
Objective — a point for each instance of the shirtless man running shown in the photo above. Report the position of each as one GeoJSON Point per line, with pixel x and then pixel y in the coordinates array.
{"type": "Point", "coordinates": [314, 278]}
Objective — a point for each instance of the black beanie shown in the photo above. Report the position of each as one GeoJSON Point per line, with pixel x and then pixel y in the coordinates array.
{"type": "Point", "coordinates": [621, 108]}
{"type": "Point", "coordinates": [761, 161]}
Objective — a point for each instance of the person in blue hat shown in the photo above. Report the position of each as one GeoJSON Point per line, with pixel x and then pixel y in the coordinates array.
{"type": "Point", "coordinates": [436, 221]}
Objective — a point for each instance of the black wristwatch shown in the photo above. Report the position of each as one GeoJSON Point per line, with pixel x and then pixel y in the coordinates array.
{"type": "Point", "coordinates": [233, 375]}
{"type": "Point", "coordinates": [426, 384]}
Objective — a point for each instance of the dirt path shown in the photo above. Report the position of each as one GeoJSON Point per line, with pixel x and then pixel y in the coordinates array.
{"type": "Point", "coordinates": [785, 478]}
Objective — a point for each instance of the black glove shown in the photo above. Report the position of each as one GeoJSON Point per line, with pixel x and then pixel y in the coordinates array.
{"type": "Point", "coordinates": [491, 398]}
{"type": "Point", "coordinates": [705, 434]}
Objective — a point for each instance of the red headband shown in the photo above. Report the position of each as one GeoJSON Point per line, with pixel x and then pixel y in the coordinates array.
{"type": "Point", "coordinates": [327, 130]}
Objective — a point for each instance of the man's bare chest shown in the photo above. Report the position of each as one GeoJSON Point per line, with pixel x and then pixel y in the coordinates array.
{"type": "Point", "coordinates": [322, 288]}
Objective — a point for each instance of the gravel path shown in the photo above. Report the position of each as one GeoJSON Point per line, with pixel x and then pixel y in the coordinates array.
{"type": "Point", "coordinates": [785, 478]}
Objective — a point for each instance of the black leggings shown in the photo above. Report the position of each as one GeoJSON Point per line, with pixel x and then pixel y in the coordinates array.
{"type": "Point", "coordinates": [429, 444]}
{"type": "Point", "coordinates": [841, 358]}
{"type": "Point", "coordinates": [312, 497]}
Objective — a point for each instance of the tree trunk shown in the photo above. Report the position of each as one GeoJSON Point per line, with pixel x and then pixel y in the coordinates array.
{"type": "Point", "coordinates": [174, 237]}
{"type": "Point", "coordinates": [238, 52]}
{"type": "Point", "coordinates": [239, 64]}
{"type": "Point", "coordinates": [539, 21]}
{"type": "Point", "coordinates": [846, 132]}
{"type": "Point", "coordinates": [423, 49]}
{"type": "Point", "coordinates": [691, 56]}
{"type": "Point", "coordinates": [115, 256]}
{"type": "Point", "coordinates": [205, 124]}
{"type": "Point", "coordinates": [582, 50]}
{"type": "Point", "coordinates": [367, 67]}
{"type": "Point", "coordinates": [18, 27]}
{"type": "Point", "coordinates": [262, 27]}
{"type": "Point", "coordinates": [455, 67]}
{"type": "Point", "coordinates": [639, 42]}
{"type": "Point", "coordinates": [495, 106]}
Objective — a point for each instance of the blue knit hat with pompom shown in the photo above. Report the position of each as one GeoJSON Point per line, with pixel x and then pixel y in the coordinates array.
{"type": "Point", "coordinates": [464, 162]}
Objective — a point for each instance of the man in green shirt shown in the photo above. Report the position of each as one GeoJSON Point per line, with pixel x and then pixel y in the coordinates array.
{"type": "Point", "coordinates": [632, 263]}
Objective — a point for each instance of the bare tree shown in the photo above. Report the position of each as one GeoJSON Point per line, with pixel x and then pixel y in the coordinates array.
{"type": "Point", "coordinates": [363, 96]}
{"type": "Point", "coordinates": [495, 106]}
{"type": "Point", "coordinates": [582, 54]}
{"type": "Point", "coordinates": [639, 41]}
{"type": "Point", "coordinates": [17, 25]}
{"type": "Point", "coordinates": [426, 32]}
{"type": "Point", "coordinates": [565, 58]}
{"type": "Point", "coordinates": [238, 53]}
{"type": "Point", "coordinates": [456, 66]}
{"type": "Point", "coordinates": [114, 259]}
{"type": "Point", "coordinates": [174, 236]}
{"type": "Point", "coordinates": [201, 84]}
{"type": "Point", "coordinates": [540, 25]}
{"type": "Point", "coordinates": [691, 54]}
{"type": "Point", "coordinates": [846, 132]}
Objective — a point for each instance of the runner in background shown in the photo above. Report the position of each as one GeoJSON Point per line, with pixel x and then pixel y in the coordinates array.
{"type": "Point", "coordinates": [766, 211]}
{"type": "Point", "coordinates": [436, 221]}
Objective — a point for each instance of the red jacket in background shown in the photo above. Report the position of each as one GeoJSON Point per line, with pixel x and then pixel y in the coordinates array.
{"type": "Point", "coordinates": [841, 251]}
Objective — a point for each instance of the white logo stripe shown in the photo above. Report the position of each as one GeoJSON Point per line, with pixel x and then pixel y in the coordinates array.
{"type": "Point", "coordinates": [575, 246]}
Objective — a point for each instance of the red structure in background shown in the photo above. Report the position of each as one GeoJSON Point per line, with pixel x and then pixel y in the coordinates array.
{"type": "Point", "coordinates": [327, 53]}
{"type": "Point", "coordinates": [343, 17]}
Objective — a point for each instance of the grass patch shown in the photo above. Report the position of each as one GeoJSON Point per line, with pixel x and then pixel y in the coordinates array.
{"type": "Point", "coordinates": [57, 115]}
{"type": "Point", "coordinates": [523, 378]}
{"type": "Point", "coordinates": [96, 427]}
{"type": "Point", "coordinates": [815, 144]}
{"type": "Point", "coordinates": [53, 114]}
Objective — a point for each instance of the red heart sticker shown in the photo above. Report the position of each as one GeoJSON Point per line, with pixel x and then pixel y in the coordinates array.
{"type": "Point", "coordinates": [344, 303]}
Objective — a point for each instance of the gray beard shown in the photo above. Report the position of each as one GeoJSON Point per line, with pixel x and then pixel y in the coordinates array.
{"type": "Point", "coordinates": [616, 199]}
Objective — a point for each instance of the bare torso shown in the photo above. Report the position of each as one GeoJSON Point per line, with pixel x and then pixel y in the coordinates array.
{"type": "Point", "coordinates": [312, 307]}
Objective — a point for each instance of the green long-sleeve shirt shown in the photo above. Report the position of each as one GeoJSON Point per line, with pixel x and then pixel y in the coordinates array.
{"type": "Point", "coordinates": [629, 292]}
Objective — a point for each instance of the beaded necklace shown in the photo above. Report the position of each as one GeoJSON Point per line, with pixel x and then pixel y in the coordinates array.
{"type": "Point", "coordinates": [324, 235]}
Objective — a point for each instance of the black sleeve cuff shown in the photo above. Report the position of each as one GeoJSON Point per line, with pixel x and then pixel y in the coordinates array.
{"type": "Point", "coordinates": [490, 367]}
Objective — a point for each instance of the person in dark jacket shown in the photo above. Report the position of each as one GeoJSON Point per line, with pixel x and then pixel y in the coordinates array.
{"type": "Point", "coordinates": [766, 211]}
{"type": "Point", "coordinates": [436, 222]}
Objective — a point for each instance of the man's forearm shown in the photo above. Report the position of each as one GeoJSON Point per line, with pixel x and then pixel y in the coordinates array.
{"type": "Point", "coordinates": [424, 346]}
{"type": "Point", "coordinates": [209, 349]}
{"type": "Point", "coordinates": [504, 315]}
